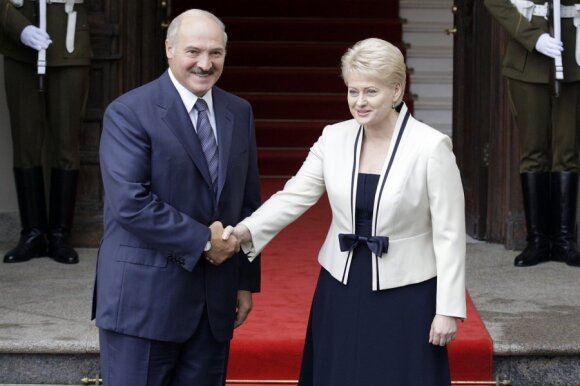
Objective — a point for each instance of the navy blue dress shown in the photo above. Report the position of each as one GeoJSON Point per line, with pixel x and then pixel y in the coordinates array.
{"type": "Point", "coordinates": [360, 337]}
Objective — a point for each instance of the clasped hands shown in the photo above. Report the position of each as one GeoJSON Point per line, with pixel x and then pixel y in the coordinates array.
{"type": "Point", "coordinates": [221, 248]}
{"type": "Point", "coordinates": [226, 242]}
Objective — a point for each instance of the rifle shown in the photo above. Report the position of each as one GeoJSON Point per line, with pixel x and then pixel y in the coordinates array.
{"type": "Point", "coordinates": [554, 25]}
{"type": "Point", "coordinates": [41, 63]}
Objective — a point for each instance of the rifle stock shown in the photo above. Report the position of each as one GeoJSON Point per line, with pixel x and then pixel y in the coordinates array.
{"type": "Point", "coordinates": [554, 26]}
{"type": "Point", "coordinates": [41, 63]}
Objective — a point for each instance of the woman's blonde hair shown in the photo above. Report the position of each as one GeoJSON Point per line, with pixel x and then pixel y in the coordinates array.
{"type": "Point", "coordinates": [376, 58]}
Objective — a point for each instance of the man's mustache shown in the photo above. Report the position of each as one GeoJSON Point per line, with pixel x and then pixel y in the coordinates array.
{"type": "Point", "coordinates": [200, 71]}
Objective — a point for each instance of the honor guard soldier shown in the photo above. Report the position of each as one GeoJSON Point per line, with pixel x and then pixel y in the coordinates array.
{"type": "Point", "coordinates": [47, 53]}
{"type": "Point", "coordinates": [546, 108]}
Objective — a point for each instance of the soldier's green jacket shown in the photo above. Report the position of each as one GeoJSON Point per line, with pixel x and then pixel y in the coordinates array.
{"type": "Point", "coordinates": [522, 61]}
{"type": "Point", "coordinates": [13, 20]}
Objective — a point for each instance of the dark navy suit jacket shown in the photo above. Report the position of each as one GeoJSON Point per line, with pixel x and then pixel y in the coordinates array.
{"type": "Point", "coordinates": [151, 280]}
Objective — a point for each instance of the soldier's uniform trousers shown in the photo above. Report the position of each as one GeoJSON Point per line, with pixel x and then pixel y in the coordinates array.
{"type": "Point", "coordinates": [54, 116]}
{"type": "Point", "coordinates": [549, 127]}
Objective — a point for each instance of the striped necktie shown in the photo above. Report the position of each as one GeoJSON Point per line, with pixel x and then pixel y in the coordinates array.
{"type": "Point", "coordinates": [207, 139]}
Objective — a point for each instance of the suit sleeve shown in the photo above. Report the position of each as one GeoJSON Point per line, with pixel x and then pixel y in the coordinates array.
{"type": "Point", "coordinates": [125, 158]}
{"type": "Point", "coordinates": [250, 272]}
{"type": "Point", "coordinates": [447, 207]}
{"type": "Point", "coordinates": [299, 194]}
{"type": "Point", "coordinates": [523, 31]}
{"type": "Point", "coordinates": [12, 21]}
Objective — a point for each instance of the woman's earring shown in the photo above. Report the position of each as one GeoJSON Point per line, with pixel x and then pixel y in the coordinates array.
{"type": "Point", "coordinates": [393, 106]}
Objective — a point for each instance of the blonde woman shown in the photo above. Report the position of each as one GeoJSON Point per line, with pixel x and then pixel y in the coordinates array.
{"type": "Point", "coordinates": [392, 284]}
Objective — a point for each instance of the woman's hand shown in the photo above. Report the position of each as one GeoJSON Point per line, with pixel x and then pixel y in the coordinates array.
{"type": "Point", "coordinates": [241, 232]}
{"type": "Point", "coordinates": [443, 330]}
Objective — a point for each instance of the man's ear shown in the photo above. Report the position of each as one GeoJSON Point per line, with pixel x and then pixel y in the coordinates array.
{"type": "Point", "coordinates": [168, 49]}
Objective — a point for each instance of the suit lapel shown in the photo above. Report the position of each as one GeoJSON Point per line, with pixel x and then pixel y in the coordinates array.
{"type": "Point", "coordinates": [225, 124]}
{"type": "Point", "coordinates": [177, 119]}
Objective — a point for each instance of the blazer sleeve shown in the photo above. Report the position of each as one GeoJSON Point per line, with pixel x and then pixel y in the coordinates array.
{"type": "Point", "coordinates": [125, 157]}
{"type": "Point", "coordinates": [447, 207]}
{"type": "Point", "coordinates": [521, 29]}
{"type": "Point", "coordinates": [300, 193]}
{"type": "Point", "coordinates": [250, 272]}
{"type": "Point", "coordinates": [12, 22]}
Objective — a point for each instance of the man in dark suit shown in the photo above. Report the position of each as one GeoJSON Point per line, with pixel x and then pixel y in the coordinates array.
{"type": "Point", "coordinates": [53, 116]}
{"type": "Point", "coordinates": [165, 306]}
{"type": "Point", "coordinates": [548, 126]}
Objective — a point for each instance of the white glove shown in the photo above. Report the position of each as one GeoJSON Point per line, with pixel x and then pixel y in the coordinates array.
{"type": "Point", "coordinates": [35, 38]}
{"type": "Point", "coordinates": [549, 46]}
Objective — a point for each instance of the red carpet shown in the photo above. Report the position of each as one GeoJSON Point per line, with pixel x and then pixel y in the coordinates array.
{"type": "Point", "coordinates": [269, 345]}
{"type": "Point", "coordinates": [284, 57]}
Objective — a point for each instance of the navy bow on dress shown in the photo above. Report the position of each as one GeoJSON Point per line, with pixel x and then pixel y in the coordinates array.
{"type": "Point", "coordinates": [377, 244]}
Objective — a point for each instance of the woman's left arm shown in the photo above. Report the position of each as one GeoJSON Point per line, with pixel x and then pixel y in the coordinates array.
{"type": "Point", "coordinates": [446, 202]}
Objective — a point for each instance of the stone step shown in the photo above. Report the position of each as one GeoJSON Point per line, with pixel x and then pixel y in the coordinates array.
{"type": "Point", "coordinates": [60, 370]}
{"type": "Point", "coordinates": [430, 59]}
{"type": "Point", "coordinates": [282, 79]}
{"type": "Point", "coordinates": [434, 85]}
{"type": "Point", "coordinates": [301, 54]}
{"type": "Point", "coordinates": [285, 79]}
{"type": "Point", "coordinates": [532, 314]}
{"type": "Point", "coordinates": [426, 11]}
{"type": "Point", "coordinates": [330, 106]}
{"type": "Point", "coordinates": [423, 34]}
{"type": "Point", "coordinates": [311, 29]}
{"type": "Point", "coordinates": [288, 132]}
{"type": "Point", "coordinates": [301, 8]}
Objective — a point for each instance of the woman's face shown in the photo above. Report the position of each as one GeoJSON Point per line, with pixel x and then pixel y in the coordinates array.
{"type": "Point", "coordinates": [370, 100]}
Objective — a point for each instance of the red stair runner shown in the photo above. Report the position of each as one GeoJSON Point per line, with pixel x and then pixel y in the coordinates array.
{"type": "Point", "coordinates": [284, 57]}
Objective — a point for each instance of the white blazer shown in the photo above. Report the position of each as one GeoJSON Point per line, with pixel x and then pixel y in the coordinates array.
{"type": "Point", "coordinates": [419, 205]}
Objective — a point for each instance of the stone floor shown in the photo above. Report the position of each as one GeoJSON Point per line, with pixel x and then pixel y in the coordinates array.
{"type": "Point", "coordinates": [532, 314]}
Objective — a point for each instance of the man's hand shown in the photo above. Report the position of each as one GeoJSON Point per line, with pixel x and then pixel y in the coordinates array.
{"type": "Point", "coordinates": [35, 38]}
{"type": "Point", "coordinates": [244, 307]}
{"type": "Point", "coordinates": [549, 46]}
{"type": "Point", "coordinates": [443, 330]}
{"type": "Point", "coordinates": [221, 249]}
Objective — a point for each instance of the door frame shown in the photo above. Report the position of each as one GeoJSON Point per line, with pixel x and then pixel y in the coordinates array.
{"type": "Point", "coordinates": [484, 135]}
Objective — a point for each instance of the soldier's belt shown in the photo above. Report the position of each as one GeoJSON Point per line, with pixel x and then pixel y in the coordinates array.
{"type": "Point", "coordinates": [20, 3]}
{"type": "Point", "coordinates": [566, 11]}
{"type": "Point", "coordinates": [528, 9]}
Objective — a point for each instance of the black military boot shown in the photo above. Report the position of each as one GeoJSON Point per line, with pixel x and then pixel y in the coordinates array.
{"type": "Point", "coordinates": [536, 192]}
{"type": "Point", "coordinates": [32, 208]}
{"type": "Point", "coordinates": [564, 196]}
{"type": "Point", "coordinates": [63, 189]}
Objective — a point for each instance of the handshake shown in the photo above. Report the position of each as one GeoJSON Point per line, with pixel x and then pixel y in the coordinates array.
{"type": "Point", "coordinates": [226, 242]}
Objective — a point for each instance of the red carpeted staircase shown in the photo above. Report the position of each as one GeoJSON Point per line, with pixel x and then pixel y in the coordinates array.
{"type": "Point", "coordinates": [284, 57]}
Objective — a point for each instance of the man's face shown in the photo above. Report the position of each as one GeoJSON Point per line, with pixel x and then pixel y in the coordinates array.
{"type": "Point", "coordinates": [197, 56]}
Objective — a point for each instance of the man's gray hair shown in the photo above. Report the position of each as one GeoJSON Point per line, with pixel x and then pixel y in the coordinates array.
{"type": "Point", "coordinates": [176, 23]}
